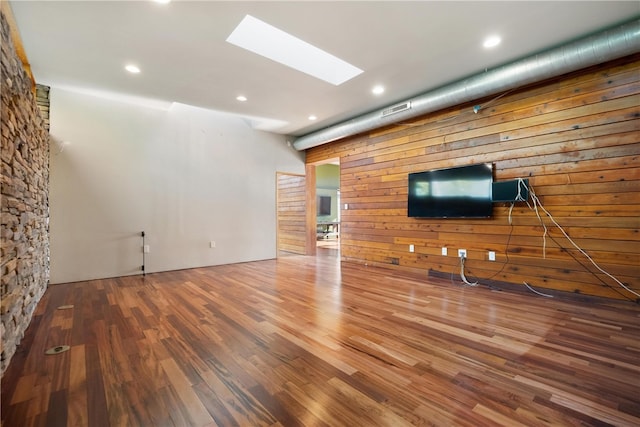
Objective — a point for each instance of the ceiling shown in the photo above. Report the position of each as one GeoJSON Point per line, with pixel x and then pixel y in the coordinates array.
{"type": "Point", "coordinates": [181, 48]}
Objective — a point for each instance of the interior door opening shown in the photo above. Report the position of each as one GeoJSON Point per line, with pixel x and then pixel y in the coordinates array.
{"type": "Point", "coordinates": [327, 219]}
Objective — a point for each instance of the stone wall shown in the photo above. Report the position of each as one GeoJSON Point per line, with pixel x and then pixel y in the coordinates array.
{"type": "Point", "coordinates": [42, 99]}
{"type": "Point", "coordinates": [24, 255]}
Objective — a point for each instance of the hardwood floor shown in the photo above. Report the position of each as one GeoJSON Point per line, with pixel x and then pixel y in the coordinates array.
{"type": "Point", "coordinates": [305, 341]}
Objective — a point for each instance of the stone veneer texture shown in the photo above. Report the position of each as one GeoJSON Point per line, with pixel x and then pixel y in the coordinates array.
{"type": "Point", "coordinates": [42, 99]}
{"type": "Point", "coordinates": [24, 188]}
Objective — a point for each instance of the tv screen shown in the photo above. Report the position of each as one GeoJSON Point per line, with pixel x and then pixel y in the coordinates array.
{"type": "Point", "coordinates": [324, 205]}
{"type": "Point", "coordinates": [460, 192]}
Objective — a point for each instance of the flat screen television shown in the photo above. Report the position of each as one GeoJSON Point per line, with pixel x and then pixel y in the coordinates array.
{"type": "Point", "coordinates": [460, 192]}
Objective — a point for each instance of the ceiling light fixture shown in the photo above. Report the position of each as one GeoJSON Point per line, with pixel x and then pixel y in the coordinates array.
{"type": "Point", "coordinates": [241, 98]}
{"type": "Point", "coordinates": [378, 90]}
{"type": "Point", "coordinates": [312, 117]}
{"type": "Point", "coordinates": [263, 39]}
{"type": "Point", "coordinates": [491, 41]}
{"type": "Point", "coordinates": [132, 69]}
{"type": "Point", "coordinates": [162, 1]}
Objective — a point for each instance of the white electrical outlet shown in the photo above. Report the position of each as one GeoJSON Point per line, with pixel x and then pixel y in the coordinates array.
{"type": "Point", "coordinates": [146, 249]}
{"type": "Point", "coordinates": [444, 251]}
{"type": "Point", "coordinates": [492, 256]}
{"type": "Point", "coordinates": [411, 248]}
{"type": "Point", "coordinates": [212, 244]}
{"type": "Point", "coordinates": [462, 253]}
{"type": "Point", "coordinates": [346, 206]}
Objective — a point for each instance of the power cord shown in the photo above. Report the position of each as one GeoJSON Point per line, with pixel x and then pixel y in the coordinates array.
{"type": "Point", "coordinates": [586, 267]}
{"type": "Point", "coordinates": [475, 109]}
{"type": "Point", "coordinates": [536, 292]}
{"type": "Point", "coordinates": [522, 184]}
{"type": "Point", "coordinates": [462, 274]}
{"type": "Point", "coordinates": [536, 205]}
{"type": "Point", "coordinates": [506, 251]}
{"type": "Point", "coordinates": [519, 198]}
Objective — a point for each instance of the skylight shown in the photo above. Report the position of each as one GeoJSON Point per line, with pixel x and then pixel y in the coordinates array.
{"type": "Point", "coordinates": [266, 40]}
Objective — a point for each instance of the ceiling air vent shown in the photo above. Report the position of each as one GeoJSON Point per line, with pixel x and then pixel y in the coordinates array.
{"type": "Point", "coordinates": [396, 109]}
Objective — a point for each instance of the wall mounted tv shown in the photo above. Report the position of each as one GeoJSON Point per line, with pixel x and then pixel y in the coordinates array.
{"type": "Point", "coordinates": [460, 192]}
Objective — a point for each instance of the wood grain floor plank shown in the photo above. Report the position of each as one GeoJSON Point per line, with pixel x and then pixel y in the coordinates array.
{"type": "Point", "coordinates": [98, 411]}
{"type": "Point", "coordinates": [244, 407]}
{"type": "Point", "coordinates": [496, 418]}
{"type": "Point", "coordinates": [313, 341]}
{"type": "Point", "coordinates": [78, 407]}
{"type": "Point", "coordinates": [197, 412]}
{"type": "Point", "coordinates": [57, 414]}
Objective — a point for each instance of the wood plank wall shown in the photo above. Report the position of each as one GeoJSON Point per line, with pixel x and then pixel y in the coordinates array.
{"type": "Point", "coordinates": [291, 213]}
{"type": "Point", "coordinates": [577, 140]}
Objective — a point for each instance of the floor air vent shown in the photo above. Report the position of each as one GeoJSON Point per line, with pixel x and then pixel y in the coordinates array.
{"type": "Point", "coordinates": [396, 109]}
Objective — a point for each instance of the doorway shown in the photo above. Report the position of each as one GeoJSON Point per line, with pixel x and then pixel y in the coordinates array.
{"type": "Point", "coordinates": [327, 224]}
{"type": "Point", "coordinates": [308, 211]}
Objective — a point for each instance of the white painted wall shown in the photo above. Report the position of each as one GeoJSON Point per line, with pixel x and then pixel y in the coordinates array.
{"type": "Point", "coordinates": [185, 176]}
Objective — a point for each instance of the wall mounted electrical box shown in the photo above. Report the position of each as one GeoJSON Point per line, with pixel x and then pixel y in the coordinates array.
{"type": "Point", "coordinates": [510, 191]}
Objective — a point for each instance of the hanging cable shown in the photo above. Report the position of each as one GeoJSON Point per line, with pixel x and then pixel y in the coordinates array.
{"type": "Point", "coordinates": [522, 184]}
{"type": "Point", "coordinates": [536, 292]}
{"type": "Point", "coordinates": [475, 109]}
{"type": "Point", "coordinates": [519, 198]}
{"type": "Point", "coordinates": [143, 255]}
{"type": "Point", "coordinates": [462, 276]}
{"type": "Point", "coordinates": [536, 204]}
{"type": "Point", "coordinates": [586, 267]}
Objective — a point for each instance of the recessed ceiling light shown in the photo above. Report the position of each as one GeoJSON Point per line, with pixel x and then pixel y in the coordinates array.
{"type": "Point", "coordinates": [132, 69]}
{"type": "Point", "coordinates": [491, 41]}
{"type": "Point", "coordinates": [312, 117]}
{"type": "Point", "coordinates": [162, 1]}
{"type": "Point", "coordinates": [241, 98]}
{"type": "Point", "coordinates": [377, 90]}
{"type": "Point", "coordinates": [272, 43]}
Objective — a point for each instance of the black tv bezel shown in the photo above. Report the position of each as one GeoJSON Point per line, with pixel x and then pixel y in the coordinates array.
{"type": "Point", "coordinates": [481, 209]}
